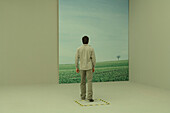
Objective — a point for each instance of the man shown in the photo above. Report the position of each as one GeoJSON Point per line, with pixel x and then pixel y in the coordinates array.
{"type": "Point", "coordinates": [86, 55]}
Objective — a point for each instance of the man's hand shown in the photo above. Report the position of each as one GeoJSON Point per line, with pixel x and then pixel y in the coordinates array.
{"type": "Point", "coordinates": [77, 70]}
{"type": "Point", "coordinates": [93, 69]}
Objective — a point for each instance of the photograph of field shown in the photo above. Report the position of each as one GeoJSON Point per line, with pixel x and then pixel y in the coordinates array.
{"type": "Point", "coordinates": [104, 72]}
{"type": "Point", "coordinates": [105, 22]}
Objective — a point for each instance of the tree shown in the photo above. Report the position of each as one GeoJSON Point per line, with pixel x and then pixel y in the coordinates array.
{"type": "Point", "coordinates": [118, 57]}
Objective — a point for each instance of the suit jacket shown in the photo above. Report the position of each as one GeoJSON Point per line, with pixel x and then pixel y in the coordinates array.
{"type": "Point", "coordinates": [86, 55]}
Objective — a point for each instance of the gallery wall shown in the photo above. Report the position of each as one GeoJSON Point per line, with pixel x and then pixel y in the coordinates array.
{"type": "Point", "coordinates": [149, 42]}
{"type": "Point", "coordinates": [28, 43]}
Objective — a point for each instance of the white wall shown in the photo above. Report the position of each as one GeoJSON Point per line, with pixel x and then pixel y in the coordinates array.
{"type": "Point", "coordinates": [28, 41]}
{"type": "Point", "coordinates": [149, 42]}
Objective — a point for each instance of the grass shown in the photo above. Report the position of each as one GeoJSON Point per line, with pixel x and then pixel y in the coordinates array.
{"type": "Point", "coordinates": [104, 72]}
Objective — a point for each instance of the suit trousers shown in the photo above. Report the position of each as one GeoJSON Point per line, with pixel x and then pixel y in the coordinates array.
{"type": "Point", "coordinates": [89, 75]}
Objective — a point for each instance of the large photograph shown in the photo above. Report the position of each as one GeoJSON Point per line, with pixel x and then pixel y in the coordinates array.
{"type": "Point", "coordinates": [105, 22]}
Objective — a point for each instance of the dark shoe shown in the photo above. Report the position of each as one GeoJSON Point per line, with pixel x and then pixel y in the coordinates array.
{"type": "Point", "coordinates": [83, 98]}
{"type": "Point", "coordinates": [91, 100]}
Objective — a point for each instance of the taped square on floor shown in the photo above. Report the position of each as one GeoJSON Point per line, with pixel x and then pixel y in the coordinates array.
{"type": "Point", "coordinates": [97, 102]}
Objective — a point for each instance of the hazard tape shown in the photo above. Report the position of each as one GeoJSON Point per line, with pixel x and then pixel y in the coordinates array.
{"type": "Point", "coordinates": [106, 103]}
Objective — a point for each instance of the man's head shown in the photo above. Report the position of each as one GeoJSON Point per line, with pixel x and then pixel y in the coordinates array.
{"type": "Point", "coordinates": [85, 40]}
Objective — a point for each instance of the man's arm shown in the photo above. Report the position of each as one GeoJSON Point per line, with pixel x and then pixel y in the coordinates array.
{"type": "Point", "coordinates": [93, 58]}
{"type": "Point", "coordinates": [77, 61]}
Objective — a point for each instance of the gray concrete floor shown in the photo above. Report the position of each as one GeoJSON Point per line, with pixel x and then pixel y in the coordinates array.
{"type": "Point", "coordinates": [124, 97]}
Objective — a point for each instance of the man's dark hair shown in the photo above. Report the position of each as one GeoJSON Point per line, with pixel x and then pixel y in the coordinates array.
{"type": "Point", "coordinates": [85, 40]}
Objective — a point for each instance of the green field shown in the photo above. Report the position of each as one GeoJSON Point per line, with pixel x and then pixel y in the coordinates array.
{"type": "Point", "coordinates": [104, 72]}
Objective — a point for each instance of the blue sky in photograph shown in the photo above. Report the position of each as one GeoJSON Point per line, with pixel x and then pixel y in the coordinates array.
{"type": "Point", "coordinates": [105, 22]}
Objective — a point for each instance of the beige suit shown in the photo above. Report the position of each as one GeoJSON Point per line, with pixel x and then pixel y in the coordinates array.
{"type": "Point", "coordinates": [86, 55]}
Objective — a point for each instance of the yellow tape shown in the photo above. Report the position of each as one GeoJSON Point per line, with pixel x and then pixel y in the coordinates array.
{"type": "Point", "coordinates": [107, 103]}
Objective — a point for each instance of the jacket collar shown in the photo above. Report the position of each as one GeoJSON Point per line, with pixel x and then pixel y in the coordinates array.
{"type": "Point", "coordinates": [85, 44]}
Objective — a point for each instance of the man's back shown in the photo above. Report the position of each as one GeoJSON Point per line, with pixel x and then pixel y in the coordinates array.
{"type": "Point", "coordinates": [86, 55]}
{"type": "Point", "coordinates": [87, 58]}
